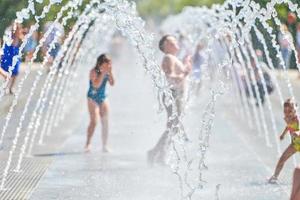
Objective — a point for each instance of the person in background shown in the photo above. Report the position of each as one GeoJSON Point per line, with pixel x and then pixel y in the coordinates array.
{"type": "Point", "coordinates": [298, 43]}
{"type": "Point", "coordinates": [11, 51]}
{"type": "Point", "coordinates": [285, 37]}
{"type": "Point", "coordinates": [298, 39]}
{"type": "Point", "coordinates": [292, 22]}
{"type": "Point", "coordinates": [259, 84]}
{"type": "Point", "coordinates": [56, 34]}
{"type": "Point", "coordinates": [267, 73]}
{"type": "Point", "coordinates": [198, 60]}
{"type": "Point", "coordinates": [2, 72]}
{"type": "Point", "coordinates": [184, 44]}
{"type": "Point", "coordinates": [30, 45]}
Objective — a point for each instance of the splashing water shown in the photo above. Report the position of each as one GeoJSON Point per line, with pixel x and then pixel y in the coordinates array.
{"type": "Point", "coordinates": [213, 25]}
{"type": "Point", "coordinates": [136, 35]}
{"type": "Point", "coordinates": [227, 23]}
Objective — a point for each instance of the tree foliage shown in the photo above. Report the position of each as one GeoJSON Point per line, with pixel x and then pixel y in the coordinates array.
{"type": "Point", "coordinates": [163, 8]}
{"type": "Point", "coordinates": [147, 8]}
{"type": "Point", "coordinates": [9, 8]}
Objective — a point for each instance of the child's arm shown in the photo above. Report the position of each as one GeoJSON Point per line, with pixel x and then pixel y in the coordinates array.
{"type": "Point", "coordinates": [2, 72]}
{"type": "Point", "coordinates": [284, 133]}
{"type": "Point", "coordinates": [111, 78]}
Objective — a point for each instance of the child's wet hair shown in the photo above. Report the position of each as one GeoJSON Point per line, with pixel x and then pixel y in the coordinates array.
{"type": "Point", "coordinates": [289, 102]}
{"type": "Point", "coordinates": [103, 58]}
{"type": "Point", "coordinates": [162, 41]}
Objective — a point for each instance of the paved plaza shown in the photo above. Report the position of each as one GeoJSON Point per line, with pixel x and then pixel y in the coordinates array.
{"type": "Point", "coordinates": [238, 159]}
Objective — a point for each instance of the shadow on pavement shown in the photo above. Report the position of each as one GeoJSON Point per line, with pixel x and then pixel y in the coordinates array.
{"type": "Point", "coordinates": [59, 154]}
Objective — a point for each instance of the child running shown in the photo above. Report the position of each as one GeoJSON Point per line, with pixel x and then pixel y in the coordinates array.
{"type": "Point", "coordinates": [292, 126]}
{"type": "Point", "coordinates": [97, 101]}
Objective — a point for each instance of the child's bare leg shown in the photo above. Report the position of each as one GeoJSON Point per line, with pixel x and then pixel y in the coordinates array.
{"type": "Point", "coordinates": [284, 157]}
{"type": "Point", "coordinates": [3, 73]}
{"type": "Point", "coordinates": [104, 111]}
{"type": "Point", "coordinates": [11, 84]}
{"type": "Point", "coordinates": [93, 122]}
{"type": "Point", "coordinates": [296, 185]}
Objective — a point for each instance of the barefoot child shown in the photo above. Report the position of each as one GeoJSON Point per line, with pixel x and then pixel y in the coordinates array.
{"type": "Point", "coordinates": [97, 101]}
{"type": "Point", "coordinates": [292, 126]}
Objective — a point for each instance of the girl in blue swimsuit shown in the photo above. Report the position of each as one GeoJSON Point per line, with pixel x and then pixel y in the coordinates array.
{"type": "Point", "coordinates": [97, 102]}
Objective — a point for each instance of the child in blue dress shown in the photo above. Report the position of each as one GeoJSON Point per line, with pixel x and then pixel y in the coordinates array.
{"type": "Point", "coordinates": [10, 52]}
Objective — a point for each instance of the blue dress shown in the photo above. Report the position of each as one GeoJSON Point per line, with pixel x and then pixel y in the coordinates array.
{"type": "Point", "coordinates": [98, 95]}
{"type": "Point", "coordinates": [7, 59]}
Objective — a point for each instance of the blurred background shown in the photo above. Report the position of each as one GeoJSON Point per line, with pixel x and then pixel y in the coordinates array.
{"type": "Point", "coordinates": [151, 10]}
{"type": "Point", "coordinates": [157, 9]}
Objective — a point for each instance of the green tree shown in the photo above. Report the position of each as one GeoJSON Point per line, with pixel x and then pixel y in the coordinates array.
{"type": "Point", "coordinates": [162, 8]}
{"type": "Point", "coordinates": [9, 8]}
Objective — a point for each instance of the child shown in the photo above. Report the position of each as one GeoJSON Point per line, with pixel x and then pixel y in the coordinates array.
{"type": "Point", "coordinates": [9, 52]}
{"type": "Point", "coordinates": [292, 126]}
{"type": "Point", "coordinates": [97, 101]}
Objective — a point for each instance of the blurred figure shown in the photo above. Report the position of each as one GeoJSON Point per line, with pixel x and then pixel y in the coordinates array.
{"type": "Point", "coordinates": [261, 93]}
{"type": "Point", "coordinates": [10, 51]}
{"type": "Point", "coordinates": [260, 79]}
{"type": "Point", "coordinates": [295, 195]}
{"type": "Point", "coordinates": [238, 76]}
{"type": "Point", "coordinates": [259, 55]}
{"type": "Point", "coordinates": [291, 18]}
{"type": "Point", "coordinates": [97, 101]}
{"type": "Point", "coordinates": [198, 60]}
{"type": "Point", "coordinates": [116, 46]}
{"type": "Point", "coordinates": [176, 73]}
{"type": "Point", "coordinates": [2, 72]}
{"type": "Point", "coordinates": [291, 22]}
{"type": "Point", "coordinates": [298, 44]}
{"type": "Point", "coordinates": [267, 73]}
{"type": "Point", "coordinates": [298, 41]}
{"type": "Point", "coordinates": [56, 34]}
{"type": "Point", "coordinates": [31, 45]}
{"type": "Point", "coordinates": [218, 55]}
{"type": "Point", "coordinates": [183, 42]}
{"type": "Point", "coordinates": [284, 41]}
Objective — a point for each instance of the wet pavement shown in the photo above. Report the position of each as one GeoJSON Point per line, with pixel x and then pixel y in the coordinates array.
{"type": "Point", "coordinates": [238, 159]}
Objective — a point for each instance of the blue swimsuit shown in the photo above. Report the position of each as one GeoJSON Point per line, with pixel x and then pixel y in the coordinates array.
{"type": "Point", "coordinates": [7, 59]}
{"type": "Point", "coordinates": [98, 95]}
